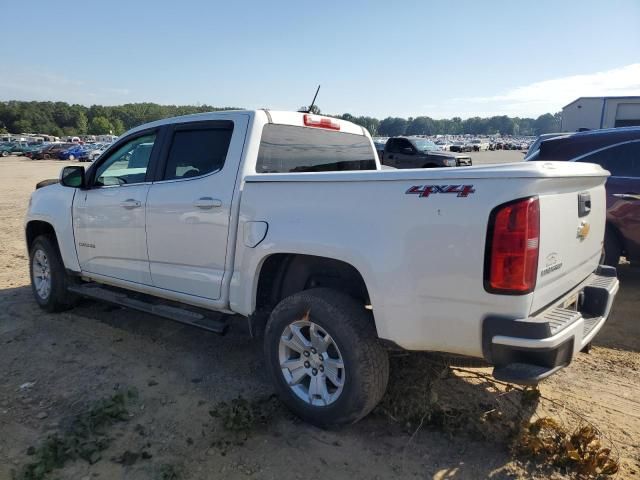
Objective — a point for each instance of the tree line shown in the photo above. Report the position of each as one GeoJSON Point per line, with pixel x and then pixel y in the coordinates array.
{"type": "Point", "coordinates": [61, 119]}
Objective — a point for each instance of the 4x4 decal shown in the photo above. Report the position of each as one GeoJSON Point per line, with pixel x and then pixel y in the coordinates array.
{"type": "Point", "coordinates": [426, 190]}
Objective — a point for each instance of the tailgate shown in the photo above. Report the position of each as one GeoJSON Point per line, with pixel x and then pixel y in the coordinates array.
{"type": "Point", "coordinates": [572, 223]}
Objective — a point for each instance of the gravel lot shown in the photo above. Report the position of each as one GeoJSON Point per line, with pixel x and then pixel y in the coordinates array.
{"type": "Point", "coordinates": [55, 367]}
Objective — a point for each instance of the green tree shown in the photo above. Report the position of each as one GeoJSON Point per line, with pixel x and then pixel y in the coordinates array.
{"type": "Point", "coordinates": [118, 126]}
{"type": "Point", "coordinates": [100, 126]}
{"type": "Point", "coordinates": [392, 127]}
{"type": "Point", "coordinates": [82, 123]}
{"type": "Point", "coordinates": [546, 123]}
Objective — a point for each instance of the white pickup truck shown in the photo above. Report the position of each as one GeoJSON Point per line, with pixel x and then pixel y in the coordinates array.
{"type": "Point", "coordinates": [287, 219]}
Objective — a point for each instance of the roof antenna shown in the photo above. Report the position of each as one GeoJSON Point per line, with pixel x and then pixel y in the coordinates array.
{"type": "Point", "coordinates": [310, 107]}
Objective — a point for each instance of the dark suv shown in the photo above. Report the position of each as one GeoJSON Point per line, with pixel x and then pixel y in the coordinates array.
{"type": "Point", "coordinates": [417, 152]}
{"type": "Point", "coordinates": [617, 150]}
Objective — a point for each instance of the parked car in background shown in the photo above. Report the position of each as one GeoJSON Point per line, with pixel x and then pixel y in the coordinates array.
{"type": "Point", "coordinates": [72, 153]}
{"type": "Point", "coordinates": [460, 147]}
{"type": "Point", "coordinates": [33, 149]}
{"type": "Point", "coordinates": [51, 151]}
{"type": "Point", "coordinates": [616, 150]}
{"type": "Point", "coordinates": [535, 146]}
{"type": "Point", "coordinates": [415, 152]}
{"type": "Point", "coordinates": [479, 145]}
{"type": "Point", "coordinates": [443, 145]}
{"type": "Point", "coordinates": [20, 147]}
{"type": "Point", "coordinates": [5, 149]}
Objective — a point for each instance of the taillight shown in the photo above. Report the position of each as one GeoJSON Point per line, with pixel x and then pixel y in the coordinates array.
{"type": "Point", "coordinates": [321, 122]}
{"type": "Point", "coordinates": [511, 259]}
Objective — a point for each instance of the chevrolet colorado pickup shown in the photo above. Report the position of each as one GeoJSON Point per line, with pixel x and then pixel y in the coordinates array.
{"type": "Point", "coordinates": [288, 220]}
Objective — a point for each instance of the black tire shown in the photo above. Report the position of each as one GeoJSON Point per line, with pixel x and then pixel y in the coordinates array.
{"type": "Point", "coordinates": [351, 326]}
{"type": "Point", "coordinates": [59, 298]}
{"type": "Point", "coordinates": [5, 153]}
{"type": "Point", "coordinates": [612, 249]}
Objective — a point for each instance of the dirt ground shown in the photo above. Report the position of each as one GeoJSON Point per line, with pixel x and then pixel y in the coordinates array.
{"type": "Point", "coordinates": [55, 367]}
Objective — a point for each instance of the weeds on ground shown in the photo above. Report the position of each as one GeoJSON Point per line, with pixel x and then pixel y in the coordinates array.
{"type": "Point", "coordinates": [168, 472]}
{"type": "Point", "coordinates": [240, 418]}
{"type": "Point", "coordinates": [425, 393]}
{"type": "Point", "coordinates": [546, 441]}
{"type": "Point", "coordinates": [85, 439]}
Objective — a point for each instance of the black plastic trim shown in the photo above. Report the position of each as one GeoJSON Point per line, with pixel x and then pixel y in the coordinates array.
{"type": "Point", "coordinates": [497, 325]}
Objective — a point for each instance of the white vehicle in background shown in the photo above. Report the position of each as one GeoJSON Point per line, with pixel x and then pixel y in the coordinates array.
{"type": "Point", "coordinates": [287, 219]}
{"type": "Point", "coordinates": [479, 145]}
{"type": "Point", "coordinates": [95, 151]}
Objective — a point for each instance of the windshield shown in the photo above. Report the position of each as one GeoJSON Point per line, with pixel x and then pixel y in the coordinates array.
{"type": "Point", "coordinates": [424, 145]}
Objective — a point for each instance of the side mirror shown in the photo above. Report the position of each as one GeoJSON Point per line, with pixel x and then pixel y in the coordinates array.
{"type": "Point", "coordinates": [407, 150]}
{"type": "Point", "coordinates": [72, 176]}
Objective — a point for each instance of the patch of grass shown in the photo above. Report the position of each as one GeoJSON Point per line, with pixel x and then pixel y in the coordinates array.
{"type": "Point", "coordinates": [85, 439]}
{"type": "Point", "coordinates": [424, 393]}
{"type": "Point", "coordinates": [168, 472]}
{"type": "Point", "coordinates": [580, 451]}
{"type": "Point", "coordinates": [240, 418]}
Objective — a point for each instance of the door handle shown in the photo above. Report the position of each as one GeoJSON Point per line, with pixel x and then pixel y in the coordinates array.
{"type": "Point", "coordinates": [207, 202]}
{"type": "Point", "coordinates": [627, 196]}
{"type": "Point", "coordinates": [130, 203]}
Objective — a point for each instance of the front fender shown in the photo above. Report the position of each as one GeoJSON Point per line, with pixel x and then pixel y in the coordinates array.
{"type": "Point", "coordinates": [54, 205]}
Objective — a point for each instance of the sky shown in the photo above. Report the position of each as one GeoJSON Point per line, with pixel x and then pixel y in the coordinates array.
{"type": "Point", "coordinates": [402, 58]}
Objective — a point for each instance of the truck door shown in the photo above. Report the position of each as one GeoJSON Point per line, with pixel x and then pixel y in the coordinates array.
{"type": "Point", "coordinates": [189, 206]}
{"type": "Point", "coordinates": [109, 216]}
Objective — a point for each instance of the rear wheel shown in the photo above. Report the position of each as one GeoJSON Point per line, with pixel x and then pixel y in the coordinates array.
{"type": "Point", "coordinates": [324, 357]}
{"type": "Point", "coordinates": [612, 249]}
{"type": "Point", "coordinates": [49, 280]}
{"type": "Point", "coordinates": [5, 153]}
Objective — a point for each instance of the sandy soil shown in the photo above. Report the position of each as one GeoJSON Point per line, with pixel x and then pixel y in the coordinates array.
{"type": "Point", "coordinates": [54, 367]}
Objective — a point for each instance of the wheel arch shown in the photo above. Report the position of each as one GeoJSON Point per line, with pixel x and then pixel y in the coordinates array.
{"type": "Point", "coordinates": [283, 274]}
{"type": "Point", "coordinates": [35, 228]}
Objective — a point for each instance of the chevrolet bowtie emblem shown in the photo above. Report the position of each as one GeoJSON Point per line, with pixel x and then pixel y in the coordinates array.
{"type": "Point", "coordinates": [583, 230]}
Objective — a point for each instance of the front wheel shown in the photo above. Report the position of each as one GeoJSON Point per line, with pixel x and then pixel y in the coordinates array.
{"type": "Point", "coordinates": [49, 279]}
{"type": "Point", "coordinates": [324, 357]}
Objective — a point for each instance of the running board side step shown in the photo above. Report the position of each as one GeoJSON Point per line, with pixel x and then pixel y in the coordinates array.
{"type": "Point", "coordinates": [148, 304]}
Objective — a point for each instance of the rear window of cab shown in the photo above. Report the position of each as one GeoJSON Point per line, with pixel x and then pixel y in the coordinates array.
{"type": "Point", "coordinates": [291, 149]}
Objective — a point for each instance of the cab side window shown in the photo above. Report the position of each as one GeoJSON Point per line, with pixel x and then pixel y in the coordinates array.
{"type": "Point", "coordinates": [392, 145]}
{"type": "Point", "coordinates": [128, 164]}
{"type": "Point", "coordinates": [621, 160]}
{"type": "Point", "coordinates": [198, 150]}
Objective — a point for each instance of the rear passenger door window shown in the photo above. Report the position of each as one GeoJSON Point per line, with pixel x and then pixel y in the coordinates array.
{"type": "Point", "coordinates": [197, 150]}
